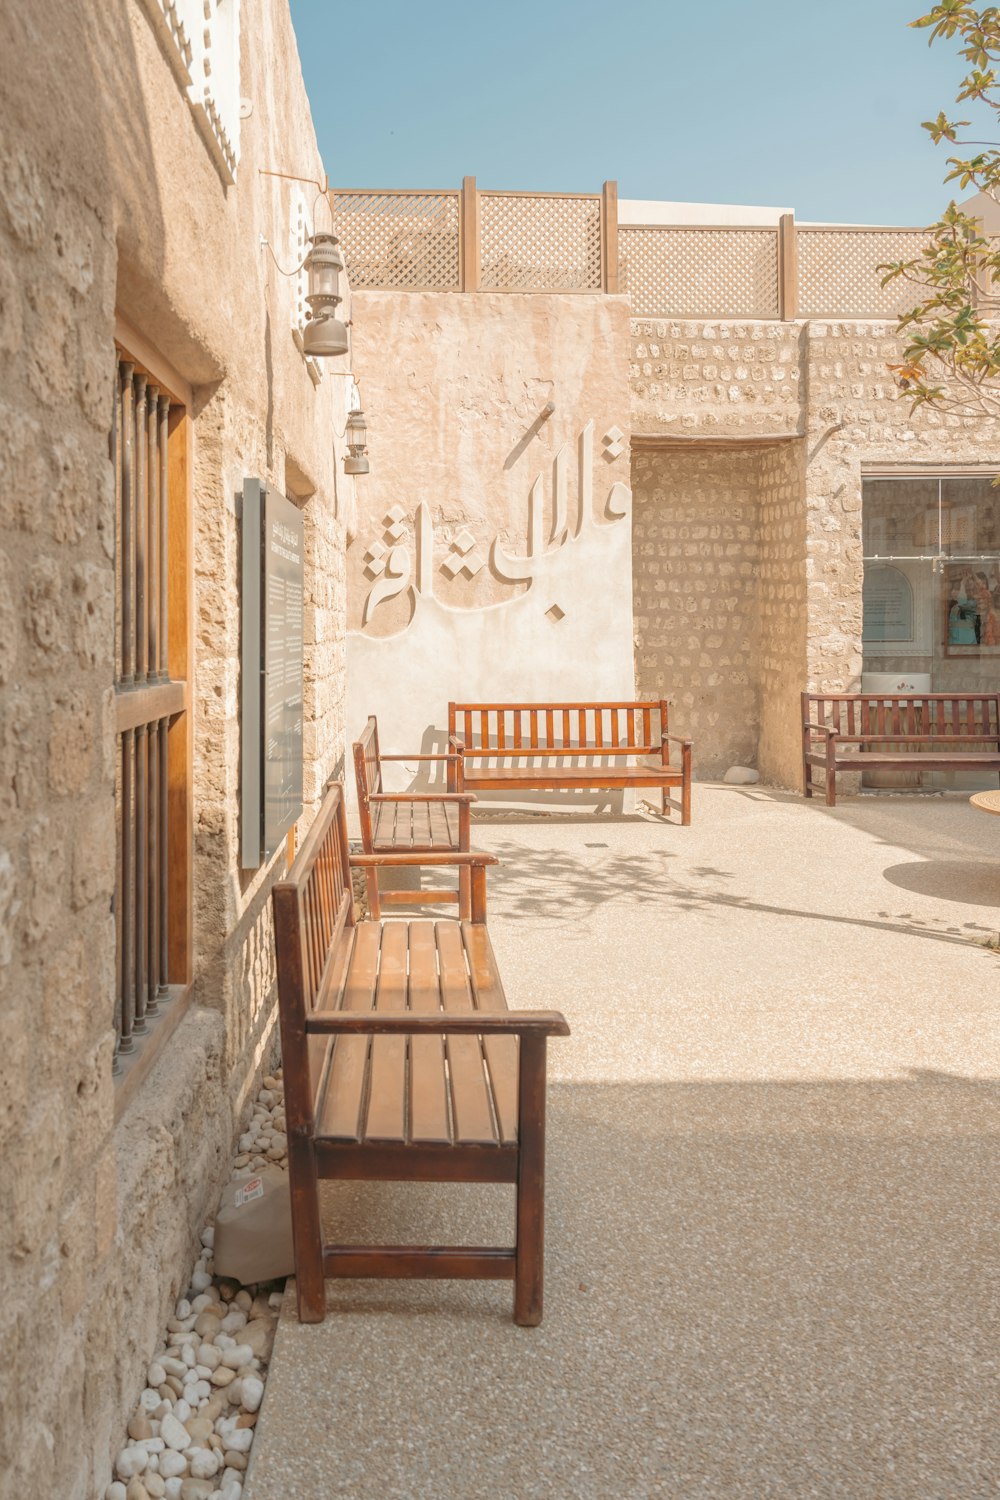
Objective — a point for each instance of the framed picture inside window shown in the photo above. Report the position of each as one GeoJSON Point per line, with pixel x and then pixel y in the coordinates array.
{"type": "Point", "coordinates": [971, 609]}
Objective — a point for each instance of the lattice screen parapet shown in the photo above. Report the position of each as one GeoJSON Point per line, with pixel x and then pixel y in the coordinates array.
{"type": "Point", "coordinates": [533, 242]}
{"type": "Point", "coordinates": [405, 241]}
{"type": "Point", "coordinates": [839, 275]}
{"type": "Point", "coordinates": [700, 272]}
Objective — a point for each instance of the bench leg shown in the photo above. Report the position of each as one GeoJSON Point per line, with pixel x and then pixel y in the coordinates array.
{"type": "Point", "coordinates": [307, 1234]}
{"type": "Point", "coordinates": [374, 904]}
{"type": "Point", "coordinates": [465, 894]}
{"type": "Point", "coordinates": [530, 1184]}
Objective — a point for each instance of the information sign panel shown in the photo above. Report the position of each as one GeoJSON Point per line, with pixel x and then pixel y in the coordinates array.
{"type": "Point", "coordinates": [272, 598]}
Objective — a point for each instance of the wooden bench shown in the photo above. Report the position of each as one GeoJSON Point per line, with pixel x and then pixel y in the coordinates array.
{"type": "Point", "coordinates": [414, 822]}
{"type": "Point", "coordinates": [403, 1063]}
{"type": "Point", "coordinates": [510, 747]}
{"type": "Point", "coordinates": [897, 732]}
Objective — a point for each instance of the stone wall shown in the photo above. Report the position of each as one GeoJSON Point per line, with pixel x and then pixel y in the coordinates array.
{"type": "Point", "coordinates": [695, 567]}
{"type": "Point", "coordinates": [698, 388]}
{"type": "Point", "coordinates": [111, 202]}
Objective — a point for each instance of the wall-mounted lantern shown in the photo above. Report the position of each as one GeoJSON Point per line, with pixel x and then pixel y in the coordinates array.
{"type": "Point", "coordinates": [325, 336]}
{"type": "Point", "coordinates": [357, 439]}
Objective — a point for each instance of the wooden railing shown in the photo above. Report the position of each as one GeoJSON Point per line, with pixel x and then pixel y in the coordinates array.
{"type": "Point", "coordinates": [471, 240]}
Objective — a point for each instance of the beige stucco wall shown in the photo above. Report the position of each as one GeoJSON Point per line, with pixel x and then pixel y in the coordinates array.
{"type": "Point", "coordinates": [109, 199]}
{"type": "Point", "coordinates": [463, 454]}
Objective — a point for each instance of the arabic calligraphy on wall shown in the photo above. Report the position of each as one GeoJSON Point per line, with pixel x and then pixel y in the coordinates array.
{"type": "Point", "coordinates": [402, 559]}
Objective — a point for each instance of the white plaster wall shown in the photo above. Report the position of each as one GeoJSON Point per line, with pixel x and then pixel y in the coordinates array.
{"type": "Point", "coordinates": [483, 510]}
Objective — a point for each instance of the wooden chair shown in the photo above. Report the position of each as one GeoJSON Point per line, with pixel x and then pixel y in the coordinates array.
{"type": "Point", "coordinates": [403, 1063]}
{"type": "Point", "coordinates": [411, 822]}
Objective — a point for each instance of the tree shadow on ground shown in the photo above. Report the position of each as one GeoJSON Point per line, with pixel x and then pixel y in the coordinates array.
{"type": "Point", "coordinates": [556, 885]}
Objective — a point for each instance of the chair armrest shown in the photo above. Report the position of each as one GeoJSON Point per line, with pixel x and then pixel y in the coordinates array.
{"type": "Point", "coordinates": [437, 1023]}
{"type": "Point", "coordinates": [458, 742]}
{"type": "Point", "coordinates": [676, 739]}
{"type": "Point", "coordinates": [448, 857]}
{"type": "Point", "coordinates": [823, 729]}
{"type": "Point", "coordinates": [422, 797]}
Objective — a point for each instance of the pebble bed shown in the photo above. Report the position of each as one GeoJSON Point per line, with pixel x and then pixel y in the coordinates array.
{"type": "Point", "coordinates": [190, 1436]}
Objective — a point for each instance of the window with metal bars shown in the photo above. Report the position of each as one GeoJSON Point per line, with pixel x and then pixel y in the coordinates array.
{"type": "Point", "coordinates": [149, 436]}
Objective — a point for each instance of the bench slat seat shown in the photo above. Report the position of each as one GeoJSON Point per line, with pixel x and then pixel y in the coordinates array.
{"type": "Point", "coordinates": [897, 732]}
{"type": "Point", "coordinates": [403, 1062]}
{"type": "Point", "coordinates": [557, 746]}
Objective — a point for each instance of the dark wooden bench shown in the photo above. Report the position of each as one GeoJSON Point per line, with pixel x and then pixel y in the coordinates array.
{"type": "Point", "coordinates": [897, 732]}
{"type": "Point", "coordinates": [413, 822]}
{"type": "Point", "coordinates": [403, 1063]}
{"type": "Point", "coordinates": [548, 746]}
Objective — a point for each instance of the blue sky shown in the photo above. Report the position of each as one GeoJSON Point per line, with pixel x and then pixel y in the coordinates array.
{"type": "Point", "coordinates": [813, 104]}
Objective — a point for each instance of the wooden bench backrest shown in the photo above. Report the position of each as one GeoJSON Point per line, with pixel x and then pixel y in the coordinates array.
{"type": "Point", "coordinates": [367, 775]}
{"type": "Point", "coordinates": [633, 727]}
{"type": "Point", "coordinates": [943, 714]}
{"type": "Point", "coordinates": [313, 906]}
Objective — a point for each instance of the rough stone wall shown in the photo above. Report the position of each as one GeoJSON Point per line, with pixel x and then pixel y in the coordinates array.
{"type": "Point", "coordinates": [711, 384]}
{"type": "Point", "coordinates": [695, 566]}
{"type": "Point", "coordinates": [108, 202]}
{"type": "Point", "coordinates": [716, 379]}
{"type": "Point", "coordinates": [782, 610]}
{"type": "Point", "coordinates": [857, 420]}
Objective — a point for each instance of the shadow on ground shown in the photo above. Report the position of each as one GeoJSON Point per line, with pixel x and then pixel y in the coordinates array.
{"type": "Point", "coordinates": [753, 1290]}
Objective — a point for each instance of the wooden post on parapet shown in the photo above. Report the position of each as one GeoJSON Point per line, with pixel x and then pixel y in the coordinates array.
{"type": "Point", "coordinates": [788, 269]}
{"type": "Point", "coordinates": [470, 235]}
{"type": "Point", "coordinates": [609, 230]}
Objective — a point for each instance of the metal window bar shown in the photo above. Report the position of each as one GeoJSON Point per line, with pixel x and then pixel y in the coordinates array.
{"type": "Point", "coordinates": [139, 450]}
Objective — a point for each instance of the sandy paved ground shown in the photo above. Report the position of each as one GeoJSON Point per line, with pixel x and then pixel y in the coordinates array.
{"type": "Point", "coordinates": [773, 1237]}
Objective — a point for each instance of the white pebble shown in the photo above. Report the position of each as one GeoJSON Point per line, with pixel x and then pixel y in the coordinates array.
{"type": "Point", "coordinates": [253, 1392]}
{"type": "Point", "coordinates": [183, 1309]}
{"type": "Point", "coordinates": [150, 1399]}
{"type": "Point", "coordinates": [208, 1236]}
{"type": "Point", "coordinates": [275, 1299]}
{"type": "Point", "coordinates": [173, 1366]}
{"type": "Point", "coordinates": [234, 1359]}
{"type": "Point", "coordinates": [155, 1486]}
{"type": "Point", "coordinates": [199, 1392]}
{"type": "Point", "coordinates": [246, 1142]}
{"type": "Point", "coordinates": [156, 1374]}
{"type": "Point", "coordinates": [200, 1302]}
{"type": "Point", "coordinates": [240, 1439]}
{"type": "Point", "coordinates": [152, 1444]}
{"type": "Point", "coordinates": [231, 1489]}
{"type": "Point", "coordinates": [173, 1489]}
{"type": "Point", "coordinates": [236, 1318]}
{"type": "Point", "coordinates": [200, 1281]}
{"type": "Point", "coordinates": [209, 1358]}
{"type": "Point", "coordinates": [173, 1464]}
{"type": "Point", "coordinates": [223, 1341]}
{"type": "Point", "coordinates": [188, 1357]}
{"type": "Point", "coordinates": [115, 1490]}
{"type": "Point", "coordinates": [174, 1434]}
{"type": "Point", "coordinates": [131, 1460]}
{"type": "Point", "coordinates": [204, 1463]}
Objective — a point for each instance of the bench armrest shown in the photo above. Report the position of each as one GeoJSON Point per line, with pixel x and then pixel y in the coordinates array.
{"type": "Point", "coordinates": [437, 1023]}
{"type": "Point", "coordinates": [422, 797]}
{"type": "Point", "coordinates": [676, 739]}
{"type": "Point", "coordinates": [449, 756]}
{"type": "Point", "coordinates": [824, 729]}
{"type": "Point", "coordinates": [448, 857]}
{"type": "Point", "coordinates": [458, 742]}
